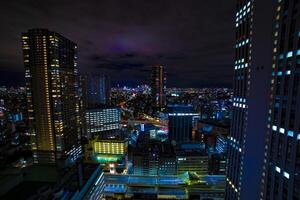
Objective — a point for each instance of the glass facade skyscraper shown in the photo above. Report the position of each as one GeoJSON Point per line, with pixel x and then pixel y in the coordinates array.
{"type": "Point", "coordinates": [243, 38]}
{"type": "Point", "coordinates": [251, 86]}
{"type": "Point", "coordinates": [271, 110]}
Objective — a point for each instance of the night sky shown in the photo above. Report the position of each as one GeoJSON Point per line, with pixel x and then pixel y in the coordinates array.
{"type": "Point", "coordinates": [193, 38]}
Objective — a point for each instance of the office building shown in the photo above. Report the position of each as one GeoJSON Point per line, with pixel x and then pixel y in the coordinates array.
{"type": "Point", "coordinates": [111, 154]}
{"type": "Point", "coordinates": [148, 164]}
{"type": "Point", "coordinates": [241, 66]}
{"type": "Point", "coordinates": [180, 123]}
{"type": "Point", "coordinates": [98, 90]}
{"type": "Point", "coordinates": [158, 87]}
{"type": "Point", "coordinates": [52, 95]}
{"type": "Point", "coordinates": [106, 150]}
{"type": "Point", "coordinates": [146, 161]}
{"type": "Point", "coordinates": [281, 169]}
{"type": "Point", "coordinates": [102, 120]}
{"type": "Point", "coordinates": [110, 147]}
{"type": "Point", "coordinates": [153, 157]}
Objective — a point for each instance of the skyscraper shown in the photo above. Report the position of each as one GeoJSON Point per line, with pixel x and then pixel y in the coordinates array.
{"type": "Point", "coordinates": [281, 170]}
{"type": "Point", "coordinates": [52, 96]}
{"type": "Point", "coordinates": [240, 86]}
{"type": "Point", "coordinates": [251, 86]}
{"type": "Point", "coordinates": [98, 90]}
{"type": "Point", "coordinates": [158, 87]}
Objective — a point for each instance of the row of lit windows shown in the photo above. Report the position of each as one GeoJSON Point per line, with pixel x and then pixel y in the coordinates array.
{"type": "Point", "coordinates": [285, 174]}
{"type": "Point", "coordinates": [283, 131]}
{"type": "Point", "coordinates": [240, 61]}
{"type": "Point", "coordinates": [240, 44]}
{"type": "Point", "coordinates": [242, 66]}
{"type": "Point", "coordinates": [109, 147]}
{"type": "Point", "coordinates": [280, 73]}
{"type": "Point", "coordinates": [103, 126]}
{"type": "Point", "coordinates": [232, 185]}
{"type": "Point", "coordinates": [235, 144]}
{"type": "Point", "coordinates": [289, 54]}
{"type": "Point", "coordinates": [239, 99]}
{"type": "Point", "coordinates": [241, 13]}
{"type": "Point", "coordinates": [239, 105]}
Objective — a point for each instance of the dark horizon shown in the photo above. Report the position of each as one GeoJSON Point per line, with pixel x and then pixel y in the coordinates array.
{"type": "Point", "coordinates": [19, 81]}
{"type": "Point", "coordinates": [125, 39]}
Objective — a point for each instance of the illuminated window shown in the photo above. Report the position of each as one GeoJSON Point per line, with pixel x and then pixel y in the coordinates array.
{"type": "Point", "coordinates": [291, 133]}
{"type": "Point", "coordinates": [281, 130]}
{"type": "Point", "coordinates": [289, 54]}
{"type": "Point", "coordinates": [286, 175]}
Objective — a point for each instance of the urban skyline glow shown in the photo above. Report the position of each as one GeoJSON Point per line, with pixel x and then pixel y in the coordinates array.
{"type": "Point", "coordinates": [150, 100]}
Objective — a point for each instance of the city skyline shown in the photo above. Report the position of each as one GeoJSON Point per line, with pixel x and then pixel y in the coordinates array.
{"type": "Point", "coordinates": [144, 100]}
{"type": "Point", "coordinates": [129, 38]}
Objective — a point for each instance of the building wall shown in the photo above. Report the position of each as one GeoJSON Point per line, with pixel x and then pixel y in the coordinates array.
{"type": "Point", "coordinates": [99, 120]}
{"type": "Point", "coordinates": [141, 164]}
{"type": "Point", "coordinates": [257, 100]}
{"type": "Point", "coordinates": [109, 147]}
{"type": "Point", "coordinates": [187, 163]}
{"type": "Point", "coordinates": [240, 86]}
{"type": "Point", "coordinates": [180, 128]}
{"type": "Point", "coordinates": [251, 86]}
{"type": "Point", "coordinates": [98, 90]}
{"type": "Point", "coordinates": [281, 171]}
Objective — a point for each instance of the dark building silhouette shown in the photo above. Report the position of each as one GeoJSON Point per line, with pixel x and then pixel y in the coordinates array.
{"type": "Point", "coordinates": [158, 87]}
{"type": "Point", "coordinates": [98, 90]}
{"type": "Point", "coordinates": [180, 123]}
